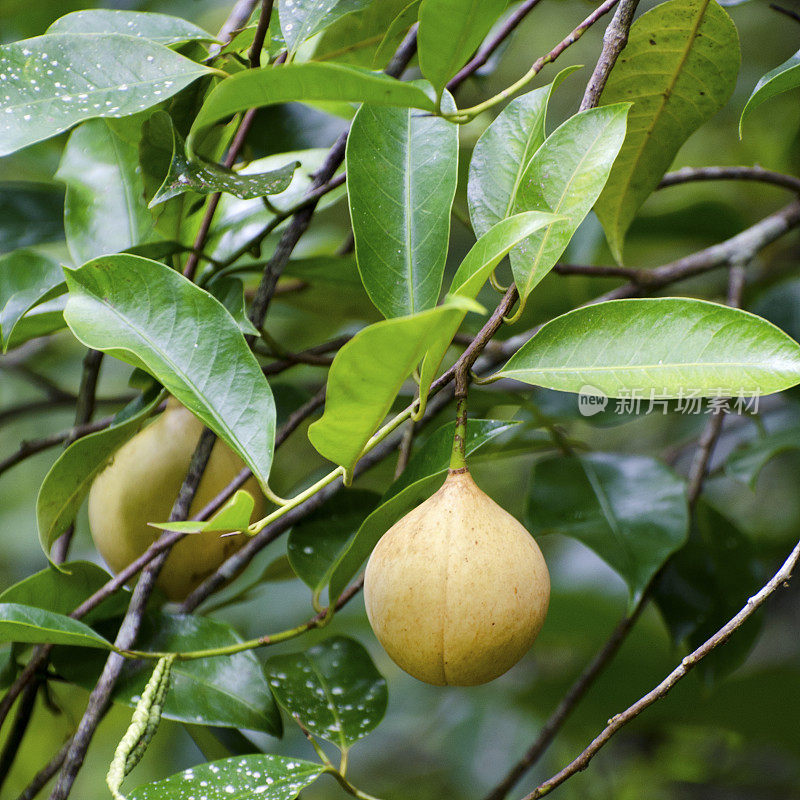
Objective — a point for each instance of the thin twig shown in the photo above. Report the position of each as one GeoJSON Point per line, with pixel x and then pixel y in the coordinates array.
{"type": "Point", "coordinates": [778, 580]}
{"type": "Point", "coordinates": [233, 151]}
{"type": "Point", "coordinates": [34, 446]}
{"type": "Point", "coordinates": [404, 454]}
{"type": "Point", "coordinates": [574, 695]}
{"type": "Point", "coordinates": [32, 407]}
{"type": "Point", "coordinates": [614, 41]}
{"type": "Point", "coordinates": [489, 47]}
{"type": "Point", "coordinates": [18, 729]}
{"type": "Point", "coordinates": [756, 173]}
{"type": "Point", "coordinates": [42, 778]}
{"type": "Point", "coordinates": [100, 698]}
{"type": "Point", "coordinates": [736, 250]}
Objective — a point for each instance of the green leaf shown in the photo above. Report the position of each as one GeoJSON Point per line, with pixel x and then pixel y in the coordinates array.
{"type": "Point", "coordinates": [565, 176]}
{"type": "Point", "coordinates": [365, 377]}
{"type": "Point", "coordinates": [227, 692]}
{"type": "Point", "coordinates": [159, 28]}
{"type": "Point", "coordinates": [705, 584]}
{"type": "Point", "coordinates": [78, 81]}
{"type": "Point", "coordinates": [266, 777]}
{"type": "Point", "coordinates": [26, 279]}
{"type": "Point", "coordinates": [68, 481]}
{"type": "Point", "coordinates": [316, 542]}
{"type": "Point", "coordinates": [450, 32]}
{"type": "Point", "coordinates": [418, 482]}
{"type": "Point", "coordinates": [745, 463]}
{"type": "Point", "coordinates": [230, 292]}
{"type": "Point", "coordinates": [301, 19]}
{"type": "Point", "coordinates": [402, 171]}
{"type": "Point", "coordinates": [311, 82]}
{"type": "Point", "coordinates": [358, 38]}
{"type": "Point", "coordinates": [473, 273]}
{"type": "Point", "coordinates": [152, 317]}
{"type": "Point", "coordinates": [233, 516]}
{"type": "Point", "coordinates": [678, 68]}
{"type": "Point", "coordinates": [631, 510]}
{"type": "Point", "coordinates": [781, 79]}
{"type": "Point", "coordinates": [395, 33]}
{"type": "Point", "coordinates": [19, 623]}
{"type": "Point", "coordinates": [333, 688]}
{"type": "Point", "coordinates": [206, 178]}
{"type": "Point", "coordinates": [41, 320]}
{"type": "Point", "coordinates": [104, 210]}
{"type": "Point", "coordinates": [674, 347]}
{"type": "Point", "coordinates": [502, 155]}
{"type": "Point", "coordinates": [62, 591]}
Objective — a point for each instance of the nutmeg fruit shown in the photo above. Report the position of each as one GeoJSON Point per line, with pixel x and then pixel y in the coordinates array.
{"type": "Point", "coordinates": [457, 590]}
{"type": "Point", "coordinates": [140, 484]}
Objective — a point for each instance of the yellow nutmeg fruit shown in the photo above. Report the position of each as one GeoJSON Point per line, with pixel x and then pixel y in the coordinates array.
{"type": "Point", "coordinates": [457, 590]}
{"type": "Point", "coordinates": [140, 485]}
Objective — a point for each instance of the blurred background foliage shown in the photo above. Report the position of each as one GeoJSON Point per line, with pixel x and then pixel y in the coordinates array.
{"type": "Point", "coordinates": [728, 731]}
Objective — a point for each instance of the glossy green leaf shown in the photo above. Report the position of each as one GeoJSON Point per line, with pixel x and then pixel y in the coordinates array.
{"type": "Point", "coordinates": [227, 692]}
{"type": "Point", "coordinates": [104, 210]}
{"type": "Point", "coordinates": [159, 28]}
{"type": "Point", "coordinates": [230, 292]}
{"type": "Point", "coordinates": [672, 347]}
{"type": "Point", "coordinates": [19, 623]}
{"type": "Point", "coordinates": [333, 688]}
{"type": "Point", "coordinates": [233, 516]}
{"type": "Point", "coordinates": [503, 153]}
{"type": "Point", "coordinates": [41, 320]}
{"type": "Point", "coordinates": [565, 176]}
{"type": "Point", "coordinates": [395, 33]}
{"type": "Point", "coordinates": [310, 82]}
{"type": "Point", "coordinates": [781, 79]}
{"type": "Point", "coordinates": [418, 482]}
{"type": "Point", "coordinates": [267, 777]}
{"type": "Point", "coordinates": [152, 317]}
{"type": "Point", "coordinates": [472, 274]}
{"type": "Point", "coordinates": [402, 171]}
{"type": "Point", "coordinates": [301, 19]}
{"type": "Point", "coordinates": [705, 584]}
{"type": "Point", "coordinates": [316, 541]}
{"type": "Point", "coordinates": [69, 479]}
{"type": "Point", "coordinates": [237, 220]}
{"type": "Point", "coordinates": [358, 38]}
{"type": "Point", "coordinates": [745, 463]}
{"type": "Point", "coordinates": [366, 376]}
{"type": "Point", "coordinates": [77, 81]}
{"type": "Point", "coordinates": [450, 32]}
{"type": "Point", "coordinates": [26, 279]}
{"type": "Point", "coordinates": [678, 68]}
{"type": "Point", "coordinates": [631, 510]}
{"type": "Point", "coordinates": [206, 178]}
{"type": "Point", "coordinates": [62, 591]}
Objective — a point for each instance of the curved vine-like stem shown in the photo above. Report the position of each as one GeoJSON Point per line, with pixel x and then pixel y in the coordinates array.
{"type": "Point", "coordinates": [467, 114]}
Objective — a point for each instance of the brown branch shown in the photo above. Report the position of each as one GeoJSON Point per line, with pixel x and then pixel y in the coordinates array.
{"type": "Point", "coordinates": [736, 250]}
{"type": "Point", "coordinates": [778, 580]}
{"type": "Point", "coordinates": [574, 695]}
{"type": "Point", "coordinates": [100, 697]}
{"type": "Point", "coordinates": [84, 409]}
{"type": "Point", "coordinates": [614, 41]}
{"type": "Point", "coordinates": [483, 55]}
{"type": "Point", "coordinates": [233, 151]}
{"type": "Point", "coordinates": [18, 729]}
{"type": "Point", "coordinates": [34, 446]}
{"type": "Point", "coordinates": [756, 173]}
{"type": "Point", "coordinates": [42, 778]}
{"type": "Point", "coordinates": [32, 407]}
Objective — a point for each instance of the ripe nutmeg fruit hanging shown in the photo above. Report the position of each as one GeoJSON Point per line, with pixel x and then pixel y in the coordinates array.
{"type": "Point", "coordinates": [139, 486]}
{"type": "Point", "coordinates": [457, 590]}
